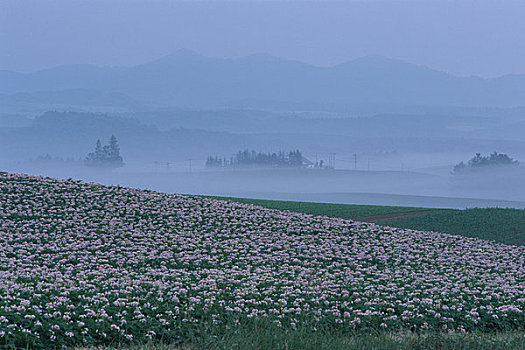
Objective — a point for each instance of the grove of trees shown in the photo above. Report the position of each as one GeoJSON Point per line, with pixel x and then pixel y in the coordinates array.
{"type": "Point", "coordinates": [105, 156]}
{"type": "Point", "coordinates": [247, 158]}
{"type": "Point", "coordinates": [479, 162]}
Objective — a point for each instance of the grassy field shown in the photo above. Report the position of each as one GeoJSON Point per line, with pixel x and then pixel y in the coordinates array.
{"type": "Point", "coordinates": [261, 335]}
{"type": "Point", "coordinates": [497, 224]}
{"type": "Point", "coordinates": [501, 225]}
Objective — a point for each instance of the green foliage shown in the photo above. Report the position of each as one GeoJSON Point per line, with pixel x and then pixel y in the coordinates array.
{"type": "Point", "coordinates": [497, 224]}
{"type": "Point", "coordinates": [125, 266]}
{"type": "Point", "coordinates": [345, 211]}
{"type": "Point", "coordinates": [501, 225]}
{"type": "Point", "coordinates": [261, 334]}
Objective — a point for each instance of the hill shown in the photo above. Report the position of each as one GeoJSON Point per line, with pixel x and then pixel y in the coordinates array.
{"type": "Point", "coordinates": [86, 264]}
{"type": "Point", "coordinates": [186, 78]}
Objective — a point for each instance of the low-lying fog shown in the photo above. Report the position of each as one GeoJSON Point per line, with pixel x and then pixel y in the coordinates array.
{"type": "Point", "coordinates": [390, 159]}
{"type": "Point", "coordinates": [380, 117]}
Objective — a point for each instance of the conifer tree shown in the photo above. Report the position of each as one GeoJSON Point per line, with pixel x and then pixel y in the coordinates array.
{"type": "Point", "coordinates": [105, 156]}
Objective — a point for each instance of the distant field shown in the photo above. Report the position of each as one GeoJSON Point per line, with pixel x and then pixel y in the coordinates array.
{"type": "Point", "coordinates": [345, 211]}
{"type": "Point", "coordinates": [501, 225]}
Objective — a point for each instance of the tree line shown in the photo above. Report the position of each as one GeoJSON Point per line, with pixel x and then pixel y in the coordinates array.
{"type": "Point", "coordinates": [251, 158]}
{"type": "Point", "coordinates": [479, 162]}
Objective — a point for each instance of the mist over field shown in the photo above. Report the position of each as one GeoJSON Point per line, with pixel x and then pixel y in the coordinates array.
{"type": "Point", "coordinates": [378, 125]}
{"type": "Point", "coordinates": [402, 154]}
{"type": "Point", "coordinates": [302, 175]}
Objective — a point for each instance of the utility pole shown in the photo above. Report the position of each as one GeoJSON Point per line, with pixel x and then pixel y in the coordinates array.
{"type": "Point", "coordinates": [355, 161]}
{"type": "Point", "coordinates": [189, 160]}
{"type": "Point", "coordinates": [368, 164]}
{"type": "Point", "coordinates": [331, 160]}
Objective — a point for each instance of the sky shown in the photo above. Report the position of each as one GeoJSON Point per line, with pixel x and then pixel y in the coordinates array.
{"type": "Point", "coordinates": [485, 38]}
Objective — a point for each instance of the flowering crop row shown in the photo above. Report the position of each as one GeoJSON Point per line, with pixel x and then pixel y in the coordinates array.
{"type": "Point", "coordinates": [90, 264]}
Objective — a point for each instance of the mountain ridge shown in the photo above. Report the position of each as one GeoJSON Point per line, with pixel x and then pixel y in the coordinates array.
{"type": "Point", "coordinates": [188, 78]}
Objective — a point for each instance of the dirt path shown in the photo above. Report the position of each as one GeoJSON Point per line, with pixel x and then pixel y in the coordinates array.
{"type": "Point", "coordinates": [401, 215]}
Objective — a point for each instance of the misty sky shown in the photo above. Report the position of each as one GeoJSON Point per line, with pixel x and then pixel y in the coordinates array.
{"type": "Point", "coordinates": [461, 37]}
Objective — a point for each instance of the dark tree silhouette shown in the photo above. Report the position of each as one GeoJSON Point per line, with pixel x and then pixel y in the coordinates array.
{"type": "Point", "coordinates": [479, 162]}
{"type": "Point", "coordinates": [247, 158]}
{"type": "Point", "coordinates": [105, 156]}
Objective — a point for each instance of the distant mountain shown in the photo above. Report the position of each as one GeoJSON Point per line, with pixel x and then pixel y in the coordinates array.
{"type": "Point", "coordinates": [186, 78]}
{"type": "Point", "coordinates": [72, 97]}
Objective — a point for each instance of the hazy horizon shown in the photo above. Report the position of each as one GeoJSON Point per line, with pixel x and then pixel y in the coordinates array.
{"type": "Point", "coordinates": [184, 81]}
{"type": "Point", "coordinates": [485, 39]}
{"type": "Point", "coordinates": [185, 51]}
